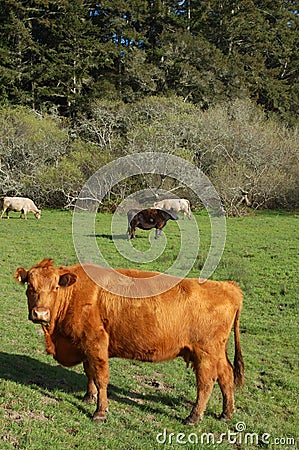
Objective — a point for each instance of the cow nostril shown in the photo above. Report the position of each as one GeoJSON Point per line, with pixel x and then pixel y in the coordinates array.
{"type": "Point", "coordinates": [40, 315]}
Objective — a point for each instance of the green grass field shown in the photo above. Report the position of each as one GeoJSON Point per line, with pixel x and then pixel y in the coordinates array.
{"type": "Point", "coordinates": [41, 402]}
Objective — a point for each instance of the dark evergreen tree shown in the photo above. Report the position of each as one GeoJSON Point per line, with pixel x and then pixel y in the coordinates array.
{"type": "Point", "coordinates": [263, 37]}
{"type": "Point", "coordinates": [72, 51]}
{"type": "Point", "coordinates": [19, 54]}
{"type": "Point", "coordinates": [60, 56]}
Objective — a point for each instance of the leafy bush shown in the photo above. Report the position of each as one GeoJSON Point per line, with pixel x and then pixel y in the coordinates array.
{"type": "Point", "coordinates": [250, 159]}
{"type": "Point", "coordinates": [28, 144]}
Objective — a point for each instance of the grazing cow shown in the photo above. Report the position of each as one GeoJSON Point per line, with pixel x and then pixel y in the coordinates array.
{"type": "Point", "coordinates": [147, 219]}
{"type": "Point", "coordinates": [85, 322]}
{"type": "Point", "coordinates": [175, 204]}
{"type": "Point", "coordinates": [22, 204]}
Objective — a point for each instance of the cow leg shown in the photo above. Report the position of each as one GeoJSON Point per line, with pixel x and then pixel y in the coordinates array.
{"type": "Point", "coordinates": [158, 232]}
{"type": "Point", "coordinates": [131, 233]}
{"type": "Point", "coordinates": [99, 371]}
{"type": "Point", "coordinates": [91, 391]}
{"type": "Point", "coordinates": [133, 230]}
{"type": "Point", "coordinates": [227, 386]}
{"type": "Point", "coordinates": [205, 377]}
{"type": "Point", "coordinates": [5, 210]}
{"type": "Point", "coordinates": [101, 383]}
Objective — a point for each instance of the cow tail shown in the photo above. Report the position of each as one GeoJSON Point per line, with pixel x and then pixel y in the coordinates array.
{"type": "Point", "coordinates": [238, 359]}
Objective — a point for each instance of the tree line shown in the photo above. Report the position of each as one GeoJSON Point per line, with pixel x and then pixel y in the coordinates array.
{"type": "Point", "coordinates": [252, 160]}
{"type": "Point", "coordinates": [83, 83]}
{"type": "Point", "coordinates": [58, 57]}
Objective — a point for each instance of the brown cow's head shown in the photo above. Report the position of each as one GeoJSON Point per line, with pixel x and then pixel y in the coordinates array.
{"type": "Point", "coordinates": [44, 283]}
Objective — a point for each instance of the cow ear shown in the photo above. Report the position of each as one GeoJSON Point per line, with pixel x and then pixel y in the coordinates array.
{"type": "Point", "coordinates": [67, 279]}
{"type": "Point", "coordinates": [21, 275]}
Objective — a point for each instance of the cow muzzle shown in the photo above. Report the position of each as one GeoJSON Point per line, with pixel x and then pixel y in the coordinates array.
{"type": "Point", "coordinates": [40, 315]}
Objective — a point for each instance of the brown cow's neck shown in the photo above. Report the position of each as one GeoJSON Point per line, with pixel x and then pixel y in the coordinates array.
{"type": "Point", "coordinates": [54, 328]}
{"type": "Point", "coordinates": [50, 347]}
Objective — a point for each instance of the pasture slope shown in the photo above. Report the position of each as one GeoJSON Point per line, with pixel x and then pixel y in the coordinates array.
{"type": "Point", "coordinates": [41, 405]}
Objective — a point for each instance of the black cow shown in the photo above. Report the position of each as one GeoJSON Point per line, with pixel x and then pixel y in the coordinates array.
{"type": "Point", "coordinates": [147, 219]}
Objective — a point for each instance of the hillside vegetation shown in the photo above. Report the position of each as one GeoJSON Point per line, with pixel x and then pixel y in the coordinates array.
{"type": "Point", "coordinates": [235, 145]}
{"type": "Point", "coordinates": [83, 83]}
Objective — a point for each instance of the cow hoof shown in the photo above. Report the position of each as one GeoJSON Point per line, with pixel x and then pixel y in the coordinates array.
{"type": "Point", "coordinates": [99, 417]}
{"type": "Point", "coordinates": [89, 398]}
{"type": "Point", "coordinates": [224, 417]}
{"type": "Point", "coordinates": [191, 421]}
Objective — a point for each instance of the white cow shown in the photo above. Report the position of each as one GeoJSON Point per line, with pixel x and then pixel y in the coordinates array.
{"type": "Point", "coordinates": [176, 204]}
{"type": "Point", "coordinates": [22, 204]}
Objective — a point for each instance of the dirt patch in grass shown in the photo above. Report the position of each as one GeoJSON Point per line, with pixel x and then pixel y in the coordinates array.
{"type": "Point", "coordinates": [16, 416]}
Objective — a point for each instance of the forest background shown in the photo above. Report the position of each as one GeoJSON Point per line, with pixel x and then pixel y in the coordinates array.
{"type": "Point", "coordinates": [217, 83]}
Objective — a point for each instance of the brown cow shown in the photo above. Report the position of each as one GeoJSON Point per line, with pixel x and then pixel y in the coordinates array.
{"type": "Point", "coordinates": [83, 322]}
{"type": "Point", "coordinates": [147, 219]}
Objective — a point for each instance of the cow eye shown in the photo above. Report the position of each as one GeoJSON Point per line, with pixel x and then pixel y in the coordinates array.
{"type": "Point", "coordinates": [30, 290]}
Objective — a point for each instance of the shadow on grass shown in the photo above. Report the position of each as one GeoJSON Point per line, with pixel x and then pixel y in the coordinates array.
{"type": "Point", "coordinates": [111, 237]}
{"type": "Point", "coordinates": [27, 371]}
{"type": "Point", "coordinates": [18, 218]}
{"type": "Point", "coordinates": [150, 402]}
{"type": "Point", "coordinates": [47, 379]}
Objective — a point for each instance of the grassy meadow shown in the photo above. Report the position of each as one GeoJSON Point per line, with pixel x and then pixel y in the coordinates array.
{"type": "Point", "coordinates": [41, 402]}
